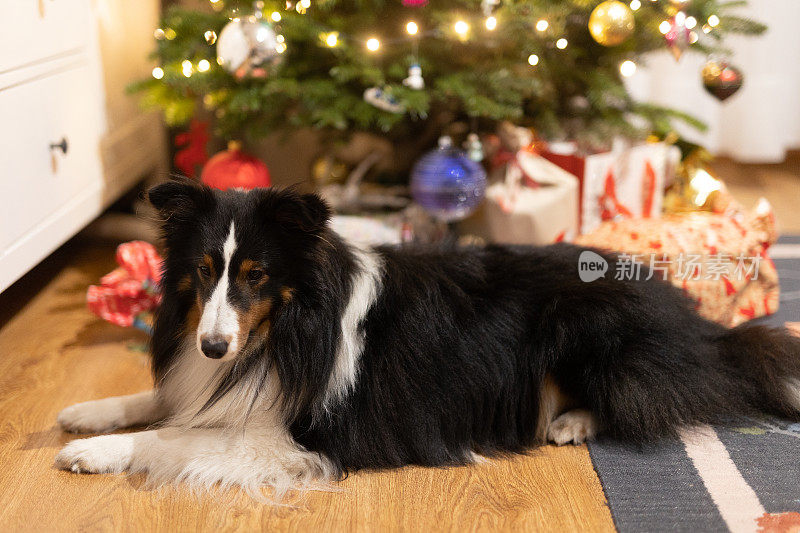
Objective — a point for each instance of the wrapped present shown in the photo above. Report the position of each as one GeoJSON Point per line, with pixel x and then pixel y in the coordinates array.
{"type": "Point", "coordinates": [369, 230]}
{"type": "Point", "coordinates": [126, 295]}
{"type": "Point", "coordinates": [535, 203]}
{"type": "Point", "coordinates": [719, 260]}
{"type": "Point", "coordinates": [627, 182]}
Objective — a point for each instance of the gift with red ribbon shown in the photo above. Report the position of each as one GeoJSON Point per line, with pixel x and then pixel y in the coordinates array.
{"type": "Point", "coordinates": [129, 294]}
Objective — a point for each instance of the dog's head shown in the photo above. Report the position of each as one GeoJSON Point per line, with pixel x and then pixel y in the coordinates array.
{"type": "Point", "coordinates": [239, 255]}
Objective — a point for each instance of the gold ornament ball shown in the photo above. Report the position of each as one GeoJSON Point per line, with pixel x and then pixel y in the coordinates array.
{"type": "Point", "coordinates": [611, 23]}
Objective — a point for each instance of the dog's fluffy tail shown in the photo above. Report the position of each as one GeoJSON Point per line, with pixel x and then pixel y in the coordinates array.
{"type": "Point", "coordinates": [719, 375]}
{"type": "Point", "coordinates": [767, 363]}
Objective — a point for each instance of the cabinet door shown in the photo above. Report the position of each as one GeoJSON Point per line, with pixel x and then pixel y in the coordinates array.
{"type": "Point", "coordinates": [37, 30]}
{"type": "Point", "coordinates": [48, 149]}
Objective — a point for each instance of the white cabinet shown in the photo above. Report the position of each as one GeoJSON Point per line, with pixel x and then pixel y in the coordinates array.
{"type": "Point", "coordinates": [59, 162]}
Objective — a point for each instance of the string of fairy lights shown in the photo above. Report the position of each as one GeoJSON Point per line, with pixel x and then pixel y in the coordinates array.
{"type": "Point", "coordinates": [461, 28]}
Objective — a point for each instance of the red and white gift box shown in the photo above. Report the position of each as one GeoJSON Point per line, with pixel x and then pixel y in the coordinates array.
{"type": "Point", "coordinates": [535, 203]}
{"type": "Point", "coordinates": [627, 182]}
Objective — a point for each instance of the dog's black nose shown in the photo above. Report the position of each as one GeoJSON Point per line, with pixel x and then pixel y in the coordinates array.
{"type": "Point", "coordinates": [214, 348]}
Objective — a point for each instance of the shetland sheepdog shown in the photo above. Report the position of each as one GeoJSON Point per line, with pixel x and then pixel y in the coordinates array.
{"type": "Point", "coordinates": [283, 355]}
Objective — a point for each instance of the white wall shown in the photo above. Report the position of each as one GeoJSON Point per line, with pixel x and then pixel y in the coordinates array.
{"type": "Point", "coordinates": [762, 120]}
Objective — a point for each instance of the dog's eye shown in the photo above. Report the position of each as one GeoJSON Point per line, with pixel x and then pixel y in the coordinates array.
{"type": "Point", "coordinates": [204, 270]}
{"type": "Point", "coordinates": [254, 275]}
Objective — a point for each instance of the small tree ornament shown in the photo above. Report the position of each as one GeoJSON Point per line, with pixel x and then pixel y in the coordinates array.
{"type": "Point", "coordinates": [721, 79]}
{"type": "Point", "coordinates": [235, 169]}
{"type": "Point", "coordinates": [678, 36]}
{"type": "Point", "coordinates": [611, 23]}
{"type": "Point", "coordinates": [414, 80]}
{"type": "Point", "coordinates": [248, 47]}
{"type": "Point", "coordinates": [447, 183]}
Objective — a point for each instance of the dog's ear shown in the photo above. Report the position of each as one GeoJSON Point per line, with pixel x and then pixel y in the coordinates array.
{"type": "Point", "coordinates": [178, 197]}
{"type": "Point", "coordinates": [306, 212]}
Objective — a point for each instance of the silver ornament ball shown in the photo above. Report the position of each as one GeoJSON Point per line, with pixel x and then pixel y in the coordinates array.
{"type": "Point", "coordinates": [248, 47]}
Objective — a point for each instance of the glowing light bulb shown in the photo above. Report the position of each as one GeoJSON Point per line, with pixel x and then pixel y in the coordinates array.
{"type": "Point", "coordinates": [170, 34]}
{"type": "Point", "coordinates": [280, 39]}
{"type": "Point", "coordinates": [713, 21]}
{"type": "Point", "coordinates": [635, 4]}
{"type": "Point", "coordinates": [491, 23]}
{"type": "Point", "coordinates": [203, 65]}
{"type": "Point", "coordinates": [542, 25]}
{"type": "Point", "coordinates": [693, 37]}
{"type": "Point", "coordinates": [627, 68]}
{"type": "Point", "coordinates": [561, 43]}
{"type": "Point", "coordinates": [276, 17]}
{"type": "Point", "coordinates": [332, 39]}
{"type": "Point", "coordinates": [664, 27]}
{"type": "Point", "coordinates": [461, 27]}
{"type": "Point", "coordinates": [533, 60]}
{"type": "Point", "coordinates": [158, 73]}
{"type": "Point", "coordinates": [210, 36]}
{"type": "Point", "coordinates": [186, 67]}
{"type": "Point", "coordinates": [280, 48]}
{"type": "Point", "coordinates": [159, 34]}
{"type": "Point", "coordinates": [373, 44]}
{"type": "Point", "coordinates": [691, 22]}
{"type": "Point", "coordinates": [305, 3]}
{"type": "Point", "coordinates": [412, 28]}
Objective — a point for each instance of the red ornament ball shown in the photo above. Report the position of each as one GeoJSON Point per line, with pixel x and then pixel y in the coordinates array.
{"type": "Point", "coordinates": [233, 168]}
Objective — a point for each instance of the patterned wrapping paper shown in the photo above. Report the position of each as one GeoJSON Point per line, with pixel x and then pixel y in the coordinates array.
{"type": "Point", "coordinates": [719, 260]}
{"type": "Point", "coordinates": [129, 292]}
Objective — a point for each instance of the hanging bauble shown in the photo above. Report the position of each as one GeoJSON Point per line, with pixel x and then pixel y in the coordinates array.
{"type": "Point", "coordinates": [234, 169]}
{"type": "Point", "coordinates": [611, 23]}
{"type": "Point", "coordinates": [248, 47]}
{"type": "Point", "coordinates": [678, 36]}
{"type": "Point", "coordinates": [721, 79]}
{"type": "Point", "coordinates": [414, 80]}
{"type": "Point", "coordinates": [447, 183]}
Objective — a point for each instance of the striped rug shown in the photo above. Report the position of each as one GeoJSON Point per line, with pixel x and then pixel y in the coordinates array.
{"type": "Point", "coordinates": [745, 478]}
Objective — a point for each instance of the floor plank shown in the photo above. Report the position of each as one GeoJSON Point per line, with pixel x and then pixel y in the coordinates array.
{"type": "Point", "coordinates": [54, 353]}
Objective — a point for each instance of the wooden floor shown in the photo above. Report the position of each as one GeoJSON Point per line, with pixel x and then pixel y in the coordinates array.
{"type": "Point", "coordinates": [54, 353]}
{"type": "Point", "coordinates": [779, 183]}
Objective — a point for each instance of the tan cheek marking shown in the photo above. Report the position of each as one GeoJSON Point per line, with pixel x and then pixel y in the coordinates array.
{"type": "Point", "coordinates": [287, 293]}
{"type": "Point", "coordinates": [193, 319]}
{"type": "Point", "coordinates": [185, 283]}
{"type": "Point", "coordinates": [256, 316]}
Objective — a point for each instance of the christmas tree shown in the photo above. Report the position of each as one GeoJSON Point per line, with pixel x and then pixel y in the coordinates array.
{"type": "Point", "coordinates": [407, 69]}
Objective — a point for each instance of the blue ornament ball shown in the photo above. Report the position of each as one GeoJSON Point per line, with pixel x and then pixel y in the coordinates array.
{"type": "Point", "coordinates": [447, 183]}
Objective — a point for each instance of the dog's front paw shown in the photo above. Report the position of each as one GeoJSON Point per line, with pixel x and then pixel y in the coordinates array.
{"type": "Point", "coordinates": [97, 455]}
{"type": "Point", "coordinates": [99, 416]}
{"type": "Point", "coordinates": [574, 426]}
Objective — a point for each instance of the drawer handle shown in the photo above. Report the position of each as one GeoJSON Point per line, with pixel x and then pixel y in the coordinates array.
{"type": "Point", "coordinates": [63, 146]}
